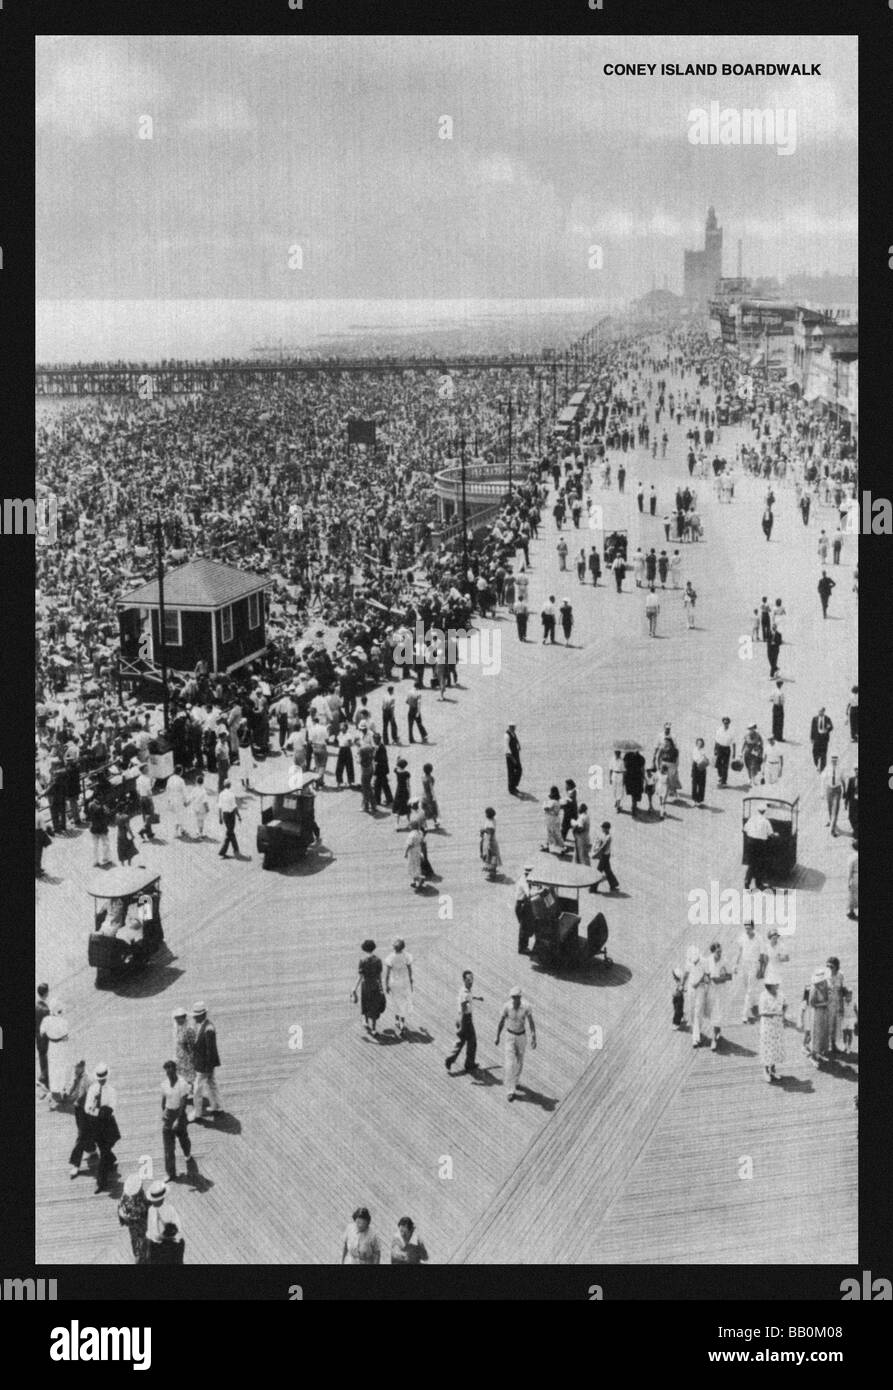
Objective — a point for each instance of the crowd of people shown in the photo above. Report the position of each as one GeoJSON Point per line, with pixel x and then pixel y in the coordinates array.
{"type": "Point", "coordinates": [361, 574]}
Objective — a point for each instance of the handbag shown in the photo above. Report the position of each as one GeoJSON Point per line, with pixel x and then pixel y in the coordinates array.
{"type": "Point", "coordinates": [737, 765]}
{"type": "Point", "coordinates": [156, 818]}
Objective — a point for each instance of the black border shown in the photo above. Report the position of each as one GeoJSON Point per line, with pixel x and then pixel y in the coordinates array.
{"type": "Point", "coordinates": [628, 17]}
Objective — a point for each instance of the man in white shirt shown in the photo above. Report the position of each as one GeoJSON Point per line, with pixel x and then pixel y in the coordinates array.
{"type": "Point", "coordinates": [465, 1032]}
{"type": "Point", "coordinates": [773, 762]}
{"type": "Point", "coordinates": [832, 786]}
{"type": "Point", "coordinates": [147, 805]}
{"type": "Point", "coordinates": [174, 1096]}
{"type": "Point", "coordinates": [228, 808]}
{"type": "Point", "coordinates": [758, 830]}
{"type": "Point", "coordinates": [515, 1018]}
{"type": "Point", "coordinates": [723, 750]}
{"type": "Point", "coordinates": [751, 946]}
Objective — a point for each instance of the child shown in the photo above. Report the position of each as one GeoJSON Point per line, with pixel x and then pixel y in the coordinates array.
{"type": "Point", "coordinates": [200, 806]}
{"type": "Point", "coordinates": [678, 1000]}
{"type": "Point", "coordinates": [650, 787]}
{"type": "Point", "coordinates": [662, 788]}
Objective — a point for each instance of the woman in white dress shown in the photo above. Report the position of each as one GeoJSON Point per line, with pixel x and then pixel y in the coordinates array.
{"type": "Point", "coordinates": [552, 817]}
{"type": "Point", "coordinates": [639, 568]}
{"type": "Point", "coordinates": [55, 1028]}
{"type": "Point", "coordinates": [398, 983]}
{"type": "Point", "coordinates": [713, 1011]}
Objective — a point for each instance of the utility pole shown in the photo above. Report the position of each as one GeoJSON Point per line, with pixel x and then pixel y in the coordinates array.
{"type": "Point", "coordinates": [539, 415]}
{"type": "Point", "coordinates": [162, 643]}
{"type": "Point", "coordinates": [510, 445]}
{"type": "Point", "coordinates": [464, 514]}
{"type": "Point", "coordinates": [554, 386]}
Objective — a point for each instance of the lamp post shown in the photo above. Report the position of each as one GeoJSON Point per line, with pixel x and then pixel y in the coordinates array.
{"type": "Point", "coordinates": [162, 642]}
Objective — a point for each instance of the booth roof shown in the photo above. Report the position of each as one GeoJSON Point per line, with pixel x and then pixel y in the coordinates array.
{"type": "Point", "coordinates": [197, 584]}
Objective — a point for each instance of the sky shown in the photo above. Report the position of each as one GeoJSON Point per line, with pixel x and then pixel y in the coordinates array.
{"type": "Point", "coordinates": [262, 144]}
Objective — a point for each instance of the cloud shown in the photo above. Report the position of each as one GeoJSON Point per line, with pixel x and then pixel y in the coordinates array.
{"type": "Point", "coordinates": [84, 91]}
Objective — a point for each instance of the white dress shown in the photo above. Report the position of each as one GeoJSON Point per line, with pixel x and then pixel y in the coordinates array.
{"type": "Point", "coordinates": [59, 1063]}
{"type": "Point", "coordinates": [400, 990]}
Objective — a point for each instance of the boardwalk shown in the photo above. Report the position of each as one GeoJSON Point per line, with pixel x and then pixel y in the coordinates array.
{"type": "Point", "coordinates": [628, 1152]}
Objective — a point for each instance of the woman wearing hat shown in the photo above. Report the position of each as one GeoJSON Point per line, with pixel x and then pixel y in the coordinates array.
{"type": "Point", "coordinates": [398, 983]}
{"type": "Point", "coordinates": [133, 1211]}
{"type": "Point", "coordinates": [552, 817]}
{"type": "Point", "coordinates": [184, 1048]}
{"type": "Point", "coordinates": [771, 1006]}
{"type": "Point", "coordinates": [491, 859]}
{"type": "Point", "coordinates": [55, 1029]}
{"type": "Point", "coordinates": [414, 852]}
{"type": "Point", "coordinates": [368, 987]}
{"type": "Point", "coordinates": [815, 1014]}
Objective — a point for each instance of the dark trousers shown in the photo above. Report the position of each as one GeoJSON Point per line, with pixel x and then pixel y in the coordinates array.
{"type": "Point", "coordinates": [618, 580]}
{"type": "Point", "coordinates": [513, 772]}
{"type": "Point", "coordinates": [366, 787]}
{"type": "Point", "coordinates": [173, 1126]}
{"type": "Point", "coordinates": [465, 1037]}
{"type": "Point", "coordinates": [229, 821]}
{"type": "Point", "coordinates": [84, 1142]}
{"type": "Point", "coordinates": [525, 930]}
{"type": "Point", "coordinates": [344, 766]}
{"type": "Point", "coordinates": [778, 722]}
{"type": "Point", "coordinates": [678, 1006]}
{"type": "Point", "coordinates": [548, 629]}
{"type": "Point", "coordinates": [43, 1048]}
{"type": "Point", "coordinates": [604, 867]}
{"type": "Point", "coordinates": [381, 788]}
{"type": "Point", "coordinates": [414, 719]}
{"type": "Point", "coordinates": [723, 757]}
{"type": "Point", "coordinates": [698, 782]}
{"type": "Point", "coordinates": [521, 621]}
{"type": "Point", "coordinates": [755, 863]}
{"type": "Point", "coordinates": [106, 1162]}
{"type": "Point", "coordinates": [388, 726]}
{"type": "Point", "coordinates": [820, 753]}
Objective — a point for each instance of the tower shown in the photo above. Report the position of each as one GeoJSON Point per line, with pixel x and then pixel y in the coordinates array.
{"type": "Point", "coordinates": [712, 253]}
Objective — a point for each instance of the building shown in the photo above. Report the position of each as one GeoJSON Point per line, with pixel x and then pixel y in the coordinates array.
{"type": "Point", "coordinates": [702, 270]}
{"type": "Point", "coordinates": [828, 374]}
{"type": "Point", "coordinates": [212, 613]}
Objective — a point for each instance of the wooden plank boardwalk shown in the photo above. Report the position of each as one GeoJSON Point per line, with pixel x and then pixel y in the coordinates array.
{"type": "Point", "coordinates": [627, 1153]}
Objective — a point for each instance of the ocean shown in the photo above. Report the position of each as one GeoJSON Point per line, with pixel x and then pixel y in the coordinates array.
{"type": "Point", "coordinates": [115, 330]}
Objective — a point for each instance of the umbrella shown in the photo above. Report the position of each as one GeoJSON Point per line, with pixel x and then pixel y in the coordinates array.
{"type": "Point", "coordinates": [627, 745]}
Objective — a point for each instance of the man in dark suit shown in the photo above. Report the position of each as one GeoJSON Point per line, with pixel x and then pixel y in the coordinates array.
{"type": "Point", "coordinates": [825, 585]}
{"type": "Point", "coordinates": [851, 801]}
{"type": "Point", "coordinates": [207, 1059]}
{"type": "Point", "coordinates": [819, 736]}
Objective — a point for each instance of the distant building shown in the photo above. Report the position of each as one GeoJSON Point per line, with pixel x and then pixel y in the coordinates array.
{"type": "Point", "coordinates": [702, 270]}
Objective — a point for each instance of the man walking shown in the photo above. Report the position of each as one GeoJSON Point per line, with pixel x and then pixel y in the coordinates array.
{"type": "Point", "coordinates": [820, 731]}
{"type": "Point", "coordinates": [515, 1018]}
{"type": "Point", "coordinates": [751, 947]}
{"type": "Point", "coordinates": [381, 768]}
{"type": "Point", "coordinates": [776, 700]}
{"type": "Point", "coordinates": [465, 1035]}
{"type": "Point", "coordinates": [640, 497]}
{"type": "Point", "coordinates": [825, 585]}
{"type": "Point", "coordinates": [652, 501]}
{"type": "Point", "coordinates": [207, 1060]}
{"type": "Point", "coordinates": [523, 912]}
{"type": "Point", "coordinates": [595, 565]}
{"type": "Point", "coordinates": [832, 786]}
{"type": "Point", "coordinates": [174, 1095]}
{"type": "Point", "coordinates": [757, 830]}
{"type": "Point", "coordinates": [513, 766]}
{"type": "Point", "coordinates": [521, 615]}
{"type": "Point", "coordinates": [414, 715]}
{"type": "Point", "coordinates": [42, 1011]}
{"type": "Point", "coordinates": [102, 1127]}
{"type": "Point", "coordinates": [723, 750]}
{"type": "Point", "coordinates": [388, 718]}
{"type": "Point", "coordinates": [548, 619]}
{"type": "Point", "coordinates": [98, 820]}
{"type": "Point", "coordinates": [602, 853]}
{"type": "Point", "coordinates": [652, 609]}
{"type": "Point", "coordinates": [228, 811]}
